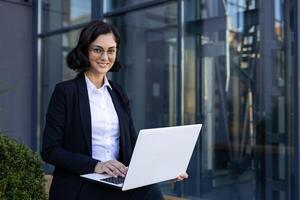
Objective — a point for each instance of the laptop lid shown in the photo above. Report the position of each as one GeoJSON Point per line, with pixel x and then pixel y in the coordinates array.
{"type": "Point", "coordinates": [160, 154]}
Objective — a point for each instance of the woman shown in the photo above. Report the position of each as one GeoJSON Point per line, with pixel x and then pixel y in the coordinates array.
{"type": "Point", "coordinates": [89, 127]}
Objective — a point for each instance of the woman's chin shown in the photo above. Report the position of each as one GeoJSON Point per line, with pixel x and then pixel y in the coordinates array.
{"type": "Point", "coordinates": [100, 70]}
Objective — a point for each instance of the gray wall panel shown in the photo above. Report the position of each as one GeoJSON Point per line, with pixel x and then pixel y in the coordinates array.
{"type": "Point", "coordinates": [16, 70]}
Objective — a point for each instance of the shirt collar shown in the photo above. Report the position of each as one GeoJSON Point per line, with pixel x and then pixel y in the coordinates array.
{"type": "Point", "coordinates": [91, 86]}
{"type": "Point", "coordinates": [106, 82]}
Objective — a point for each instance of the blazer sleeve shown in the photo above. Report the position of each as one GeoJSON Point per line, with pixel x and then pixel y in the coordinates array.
{"type": "Point", "coordinates": [53, 151]}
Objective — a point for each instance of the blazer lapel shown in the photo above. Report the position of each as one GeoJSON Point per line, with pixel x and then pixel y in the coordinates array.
{"type": "Point", "coordinates": [84, 108]}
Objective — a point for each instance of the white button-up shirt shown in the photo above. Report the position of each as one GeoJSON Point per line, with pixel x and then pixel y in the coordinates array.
{"type": "Point", "coordinates": [105, 123]}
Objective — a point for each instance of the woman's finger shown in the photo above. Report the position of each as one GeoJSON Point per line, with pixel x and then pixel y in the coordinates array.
{"type": "Point", "coordinates": [117, 168]}
{"type": "Point", "coordinates": [107, 170]}
{"type": "Point", "coordinates": [120, 167]}
{"type": "Point", "coordinates": [182, 177]}
{"type": "Point", "coordinates": [112, 168]}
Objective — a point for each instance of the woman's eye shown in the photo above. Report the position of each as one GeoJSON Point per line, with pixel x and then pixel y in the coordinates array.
{"type": "Point", "coordinates": [97, 50]}
{"type": "Point", "coordinates": [111, 51]}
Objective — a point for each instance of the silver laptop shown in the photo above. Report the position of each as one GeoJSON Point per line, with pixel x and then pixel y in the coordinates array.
{"type": "Point", "coordinates": [160, 154]}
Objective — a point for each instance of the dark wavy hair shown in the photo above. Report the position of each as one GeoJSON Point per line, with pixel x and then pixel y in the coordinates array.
{"type": "Point", "coordinates": [77, 58]}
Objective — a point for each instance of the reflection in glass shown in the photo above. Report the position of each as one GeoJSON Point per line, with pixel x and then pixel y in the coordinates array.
{"type": "Point", "coordinates": [237, 81]}
{"type": "Point", "coordinates": [110, 5]}
{"type": "Point", "coordinates": [148, 53]}
{"type": "Point", "coordinates": [149, 56]}
{"type": "Point", "coordinates": [58, 14]}
{"type": "Point", "coordinates": [243, 64]}
{"type": "Point", "coordinates": [69, 42]}
{"type": "Point", "coordinates": [54, 68]}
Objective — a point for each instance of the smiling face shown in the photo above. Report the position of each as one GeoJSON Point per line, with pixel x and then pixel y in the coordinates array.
{"type": "Point", "coordinates": [102, 54]}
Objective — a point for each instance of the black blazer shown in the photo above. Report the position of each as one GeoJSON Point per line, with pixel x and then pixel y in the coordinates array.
{"type": "Point", "coordinates": [67, 136]}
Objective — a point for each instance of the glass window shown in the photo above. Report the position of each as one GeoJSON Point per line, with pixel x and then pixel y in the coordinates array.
{"type": "Point", "coordinates": [238, 64]}
{"type": "Point", "coordinates": [238, 81]}
{"type": "Point", "coordinates": [57, 14]}
{"type": "Point", "coordinates": [110, 5]}
{"type": "Point", "coordinates": [54, 69]}
{"type": "Point", "coordinates": [148, 54]}
{"type": "Point", "coordinates": [69, 41]}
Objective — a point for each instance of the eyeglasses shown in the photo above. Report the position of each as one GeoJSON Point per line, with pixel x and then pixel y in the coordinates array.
{"type": "Point", "coordinates": [111, 53]}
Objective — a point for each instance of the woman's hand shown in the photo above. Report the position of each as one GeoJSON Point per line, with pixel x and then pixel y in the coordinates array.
{"type": "Point", "coordinates": [181, 177]}
{"type": "Point", "coordinates": [112, 167]}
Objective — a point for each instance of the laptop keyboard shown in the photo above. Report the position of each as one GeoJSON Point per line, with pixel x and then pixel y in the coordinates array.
{"type": "Point", "coordinates": [114, 180]}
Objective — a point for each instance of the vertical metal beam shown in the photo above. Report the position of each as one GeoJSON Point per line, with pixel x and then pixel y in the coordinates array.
{"type": "Point", "coordinates": [296, 19]}
{"type": "Point", "coordinates": [180, 74]}
{"type": "Point", "coordinates": [101, 10]}
{"type": "Point", "coordinates": [97, 9]}
{"type": "Point", "coordinates": [266, 21]}
{"type": "Point", "coordinates": [180, 61]}
{"type": "Point", "coordinates": [35, 133]}
{"type": "Point", "coordinates": [39, 74]}
{"type": "Point", "coordinates": [286, 125]}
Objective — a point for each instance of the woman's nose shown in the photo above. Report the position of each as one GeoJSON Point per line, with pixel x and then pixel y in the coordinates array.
{"type": "Point", "coordinates": [104, 56]}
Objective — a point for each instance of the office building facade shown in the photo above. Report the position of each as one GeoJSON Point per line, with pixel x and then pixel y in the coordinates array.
{"type": "Point", "coordinates": [232, 65]}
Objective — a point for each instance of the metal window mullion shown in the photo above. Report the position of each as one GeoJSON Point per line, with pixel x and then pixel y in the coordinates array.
{"type": "Point", "coordinates": [180, 60]}
{"type": "Point", "coordinates": [19, 3]}
{"type": "Point", "coordinates": [62, 30]}
{"type": "Point", "coordinates": [180, 76]}
{"type": "Point", "coordinates": [35, 92]}
{"type": "Point", "coordinates": [297, 96]}
{"type": "Point", "coordinates": [39, 81]}
{"type": "Point", "coordinates": [97, 10]}
{"type": "Point", "coordinates": [132, 8]}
